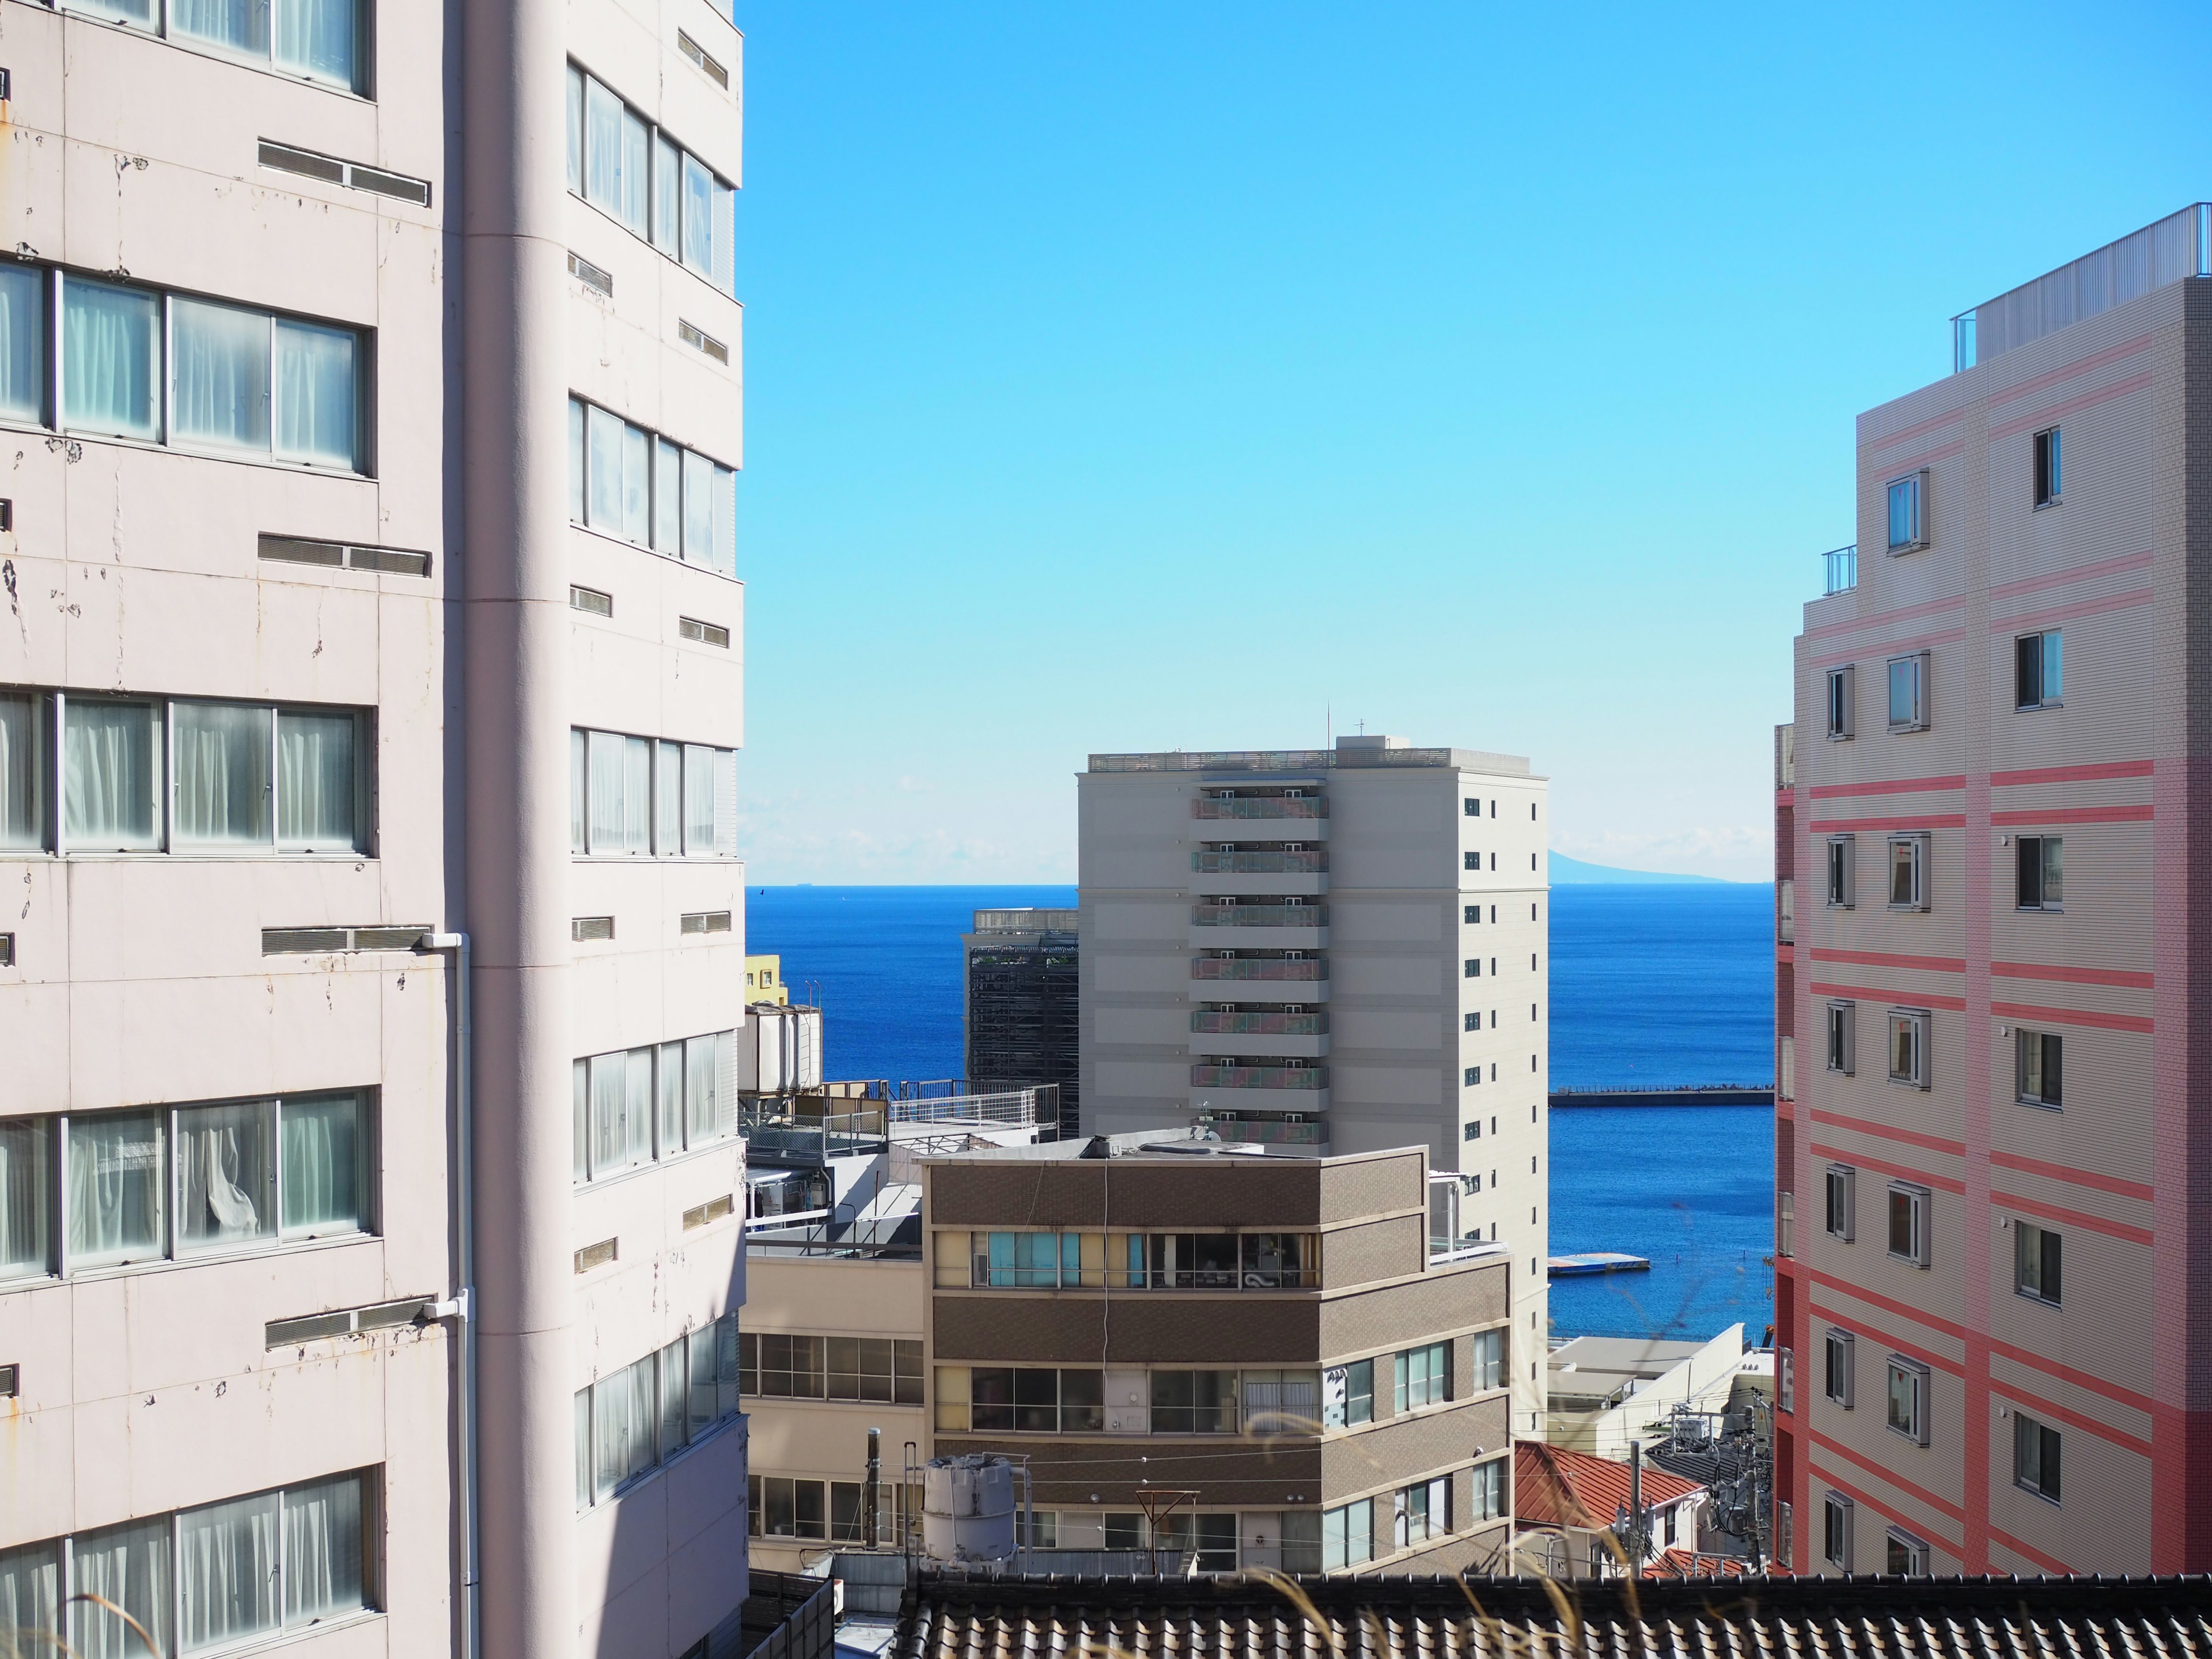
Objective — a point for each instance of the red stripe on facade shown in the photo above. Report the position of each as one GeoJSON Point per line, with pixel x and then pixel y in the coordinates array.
{"type": "Point", "coordinates": [1890, 471]}
{"type": "Point", "coordinates": [2083, 366]}
{"type": "Point", "coordinates": [1915, 999]}
{"type": "Point", "coordinates": [1919, 1316]}
{"type": "Point", "coordinates": [1890, 1477]}
{"type": "Point", "coordinates": [2112, 1391]}
{"type": "Point", "coordinates": [2073, 1017]}
{"type": "Point", "coordinates": [1902, 1171]}
{"type": "Point", "coordinates": [2028, 621]}
{"type": "Point", "coordinates": [2090, 774]}
{"type": "Point", "coordinates": [1886, 786]}
{"type": "Point", "coordinates": [2074, 1419]}
{"type": "Point", "coordinates": [1909, 1137]}
{"type": "Point", "coordinates": [2080, 573]}
{"type": "Point", "coordinates": [1909, 1350]}
{"type": "Point", "coordinates": [2045, 416]}
{"type": "Point", "coordinates": [1930, 821]}
{"type": "Point", "coordinates": [2074, 815]}
{"type": "Point", "coordinates": [2082, 1219]}
{"type": "Point", "coordinates": [1888, 959]}
{"type": "Point", "coordinates": [2119, 976]}
{"type": "Point", "coordinates": [1903, 613]}
{"type": "Point", "coordinates": [1894, 647]}
{"type": "Point", "coordinates": [1911, 1523]}
{"type": "Point", "coordinates": [2048, 1563]}
{"type": "Point", "coordinates": [2035, 1166]}
{"type": "Point", "coordinates": [1904, 435]}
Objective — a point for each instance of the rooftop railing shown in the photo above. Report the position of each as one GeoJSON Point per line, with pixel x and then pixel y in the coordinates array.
{"type": "Point", "coordinates": [1213, 1022]}
{"type": "Point", "coordinates": [1261, 806]}
{"type": "Point", "coordinates": [1205, 1076]}
{"type": "Point", "coordinates": [1259, 915]}
{"type": "Point", "coordinates": [2177, 247]}
{"type": "Point", "coordinates": [1312, 861]}
{"type": "Point", "coordinates": [1839, 569]}
{"type": "Point", "coordinates": [1263, 968]}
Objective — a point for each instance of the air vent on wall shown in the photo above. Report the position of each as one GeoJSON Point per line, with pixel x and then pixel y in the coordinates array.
{"type": "Point", "coordinates": [706, 633]}
{"type": "Point", "coordinates": [313, 164]}
{"type": "Point", "coordinates": [713, 1210]}
{"type": "Point", "coordinates": [591, 275]}
{"type": "Point", "coordinates": [701, 341]}
{"type": "Point", "coordinates": [6, 950]}
{"type": "Point", "coordinates": [583, 928]}
{"type": "Point", "coordinates": [324, 941]}
{"type": "Point", "coordinates": [595, 1256]}
{"type": "Point", "coordinates": [377, 1317]}
{"type": "Point", "coordinates": [591, 599]}
{"type": "Point", "coordinates": [390, 560]}
{"type": "Point", "coordinates": [11, 1377]}
{"type": "Point", "coordinates": [692, 50]}
{"type": "Point", "coordinates": [705, 921]}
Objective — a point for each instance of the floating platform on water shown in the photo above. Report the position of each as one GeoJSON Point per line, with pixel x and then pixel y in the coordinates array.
{"type": "Point", "coordinates": [1587, 1262]}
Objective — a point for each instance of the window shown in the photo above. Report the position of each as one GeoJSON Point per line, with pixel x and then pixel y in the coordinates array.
{"type": "Point", "coordinates": [1282, 1403]}
{"type": "Point", "coordinates": [1489, 1360]}
{"type": "Point", "coordinates": [1471, 913]}
{"type": "Point", "coordinates": [2040, 864]}
{"type": "Point", "coordinates": [1473, 967]}
{"type": "Point", "coordinates": [2038, 1056]}
{"type": "Point", "coordinates": [1047, 1261]}
{"type": "Point", "coordinates": [1194, 1261]}
{"type": "Point", "coordinates": [633, 797]}
{"type": "Point", "coordinates": [2034, 1456]}
{"type": "Point", "coordinates": [1908, 1047]}
{"type": "Point", "coordinates": [2037, 1259]}
{"type": "Point", "coordinates": [1471, 808]}
{"type": "Point", "coordinates": [146, 775]}
{"type": "Point", "coordinates": [1906, 1556]}
{"type": "Point", "coordinates": [1908, 872]}
{"type": "Point", "coordinates": [2047, 481]}
{"type": "Point", "coordinates": [637, 1104]}
{"type": "Point", "coordinates": [779, 1506]}
{"type": "Point", "coordinates": [1908, 1223]}
{"type": "Point", "coordinates": [1785, 1223]}
{"type": "Point", "coordinates": [1488, 1502]}
{"type": "Point", "coordinates": [1209, 1540]}
{"type": "Point", "coordinates": [1471, 861]}
{"type": "Point", "coordinates": [1843, 1032]}
{"type": "Point", "coordinates": [1422, 1511]}
{"type": "Point", "coordinates": [1472, 1076]}
{"type": "Point", "coordinates": [855, 1368]}
{"type": "Point", "coordinates": [1843, 871]}
{"type": "Point", "coordinates": [1842, 1187]}
{"type": "Point", "coordinates": [1194, 1402]}
{"type": "Point", "coordinates": [1838, 1366]}
{"type": "Point", "coordinates": [1908, 530]}
{"type": "Point", "coordinates": [1908, 692]}
{"type": "Point", "coordinates": [1785, 1378]}
{"type": "Point", "coordinates": [1836, 1530]}
{"type": "Point", "coordinates": [1347, 1536]}
{"type": "Point", "coordinates": [2039, 669]}
{"type": "Point", "coordinates": [1908, 1399]}
{"type": "Point", "coordinates": [644, 180]}
{"type": "Point", "coordinates": [1843, 702]}
{"type": "Point", "coordinates": [1348, 1394]}
{"type": "Point", "coordinates": [323, 40]}
{"type": "Point", "coordinates": [637, 1417]}
{"type": "Point", "coordinates": [1023, 1399]}
{"type": "Point", "coordinates": [630, 482]}
{"type": "Point", "coordinates": [1424, 1376]}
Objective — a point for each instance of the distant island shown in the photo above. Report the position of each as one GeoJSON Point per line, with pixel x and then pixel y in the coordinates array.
{"type": "Point", "coordinates": [1573, 871]}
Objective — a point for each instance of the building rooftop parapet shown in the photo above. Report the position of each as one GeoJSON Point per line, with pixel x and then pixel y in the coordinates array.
{"type": "Point", "coordinates": [2177, 247]}
{"type": "Point", "coordinates": [1349, 753]}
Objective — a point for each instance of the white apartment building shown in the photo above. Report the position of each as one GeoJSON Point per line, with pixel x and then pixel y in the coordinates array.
{"type": "Point", "coordinates": [1343, 948]}
{"type": "Point", "coordinates": [373, 944]}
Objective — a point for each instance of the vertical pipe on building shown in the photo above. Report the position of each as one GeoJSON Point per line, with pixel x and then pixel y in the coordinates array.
{"type": "Point", "coordinates": [516, 853]}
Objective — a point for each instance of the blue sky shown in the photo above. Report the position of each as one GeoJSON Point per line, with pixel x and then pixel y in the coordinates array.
{"type": "Point", "coordinates": [1148, 376]}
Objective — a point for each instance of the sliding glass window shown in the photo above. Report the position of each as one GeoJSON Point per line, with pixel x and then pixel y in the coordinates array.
{"type": "Point", "coordinates": [637, 1417]}
{"type": "Point", "coordinates": [636, 798]}
{"type": "Point", "coordinates": [637, 1104]}
{"type": "Point", "coordinates": [632, 484]}
{"type": "Point", "coordinates": [320, 40]}
{"type": "Point", "coordinates": [637, 174]}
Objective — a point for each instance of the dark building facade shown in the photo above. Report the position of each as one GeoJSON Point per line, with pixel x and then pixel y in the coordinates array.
{"type": "Point", "coordinates": [1021, 1003]}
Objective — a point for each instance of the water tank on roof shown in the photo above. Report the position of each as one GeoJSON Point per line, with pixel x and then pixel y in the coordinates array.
{"type": "Point", "coordinates": [967, 1508]}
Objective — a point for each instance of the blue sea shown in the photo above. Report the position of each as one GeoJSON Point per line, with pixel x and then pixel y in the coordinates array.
{"type": "Point", "coordinates": [1652, 988]}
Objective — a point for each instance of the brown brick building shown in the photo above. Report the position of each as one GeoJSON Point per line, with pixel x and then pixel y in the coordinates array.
{"type": "Point", "coordinates": [1334, 1392]}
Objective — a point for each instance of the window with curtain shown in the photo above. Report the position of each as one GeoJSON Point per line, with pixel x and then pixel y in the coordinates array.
{"type": "Point", "coordinates": [667, 196]}
{"type": "Point", "coordinates": [242, 25]}
{"type": "Point", "coordinates": [25, 1202]}
{"type": "Point", "coordinates": [226, 1175]}
{"type": "Point", "coordinates": [621, 162]}
{"type": "Point", "coordinates": [605, 487]}
{"type": "Point", "coordinates": [580, 1132]}
{"type": "Point", "coordinates": [575, 103]}
{"type": "Point", "coordinates": [1347, 1536]}
{"type": "Point", "coordinates": [699, 837]}
{"type": "Point", "coordinates": [635, 141]}
{"type": "Point", "coordinates": [127, 1567]}
{"type": "Point", "coordinates": [222, 366]}
{"type": "Point", "coordinates": [667, 496]}
{"type": "Point", "coordinates": [698, 217]}
{"type": "Point", "coordinates": [316, 410]}
{"type": "Point", "coordinates": [630, 482]}
{"type": "Point", "coordinates": [668, 799]}
{"type": "Point", "coordinates": [323, 1146]}
{"type": "Point", "coordinates": [603, 138]}
{"type": "Point", "coordinates": [22, 772]}
{"type": "Point", "coordinates": [317, 774]}
{"type": "Point", "coordinates": [128, 11]}
{"type": "Point", "coordinates": [620, 1120]}
{"type": "Point", "coordinates": [638, 1417]}
{"type": "Point", "coordinates": [320, 40]}
{"type": "Point", "coordinates": [228, 1569]}
{"type": "Point", "coordinates": [698, 509]}
{"type": "Point", "coordinates": [670, 1134]}
{"type": "Point", "coordinates": [111, 360]}
{"type": "Point", "coordinates": [326, 1551]}
{"type": "Point", "coordinates": [116, 1178]}
{"type": "Point", "coordinates": [111, 764]}
{"type": "Point", "coordinates": [31, 1599]}
{"type": "Point", "coordinates": [222, 774]}
{"type": "Point", "coordinates": [637, 485]}
{"type": "Point", "coordinates": [23, 343]}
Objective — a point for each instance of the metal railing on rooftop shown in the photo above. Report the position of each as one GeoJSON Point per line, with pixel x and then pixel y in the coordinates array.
{"type": "Point", "coordinates": [2177, 247]}
{"type": "Point", "coordinates": [1839, 569]}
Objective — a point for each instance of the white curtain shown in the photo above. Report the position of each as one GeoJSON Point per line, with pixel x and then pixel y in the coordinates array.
{"type": "Point", "coordinates": [671, 1097]}
{"type": "Point", "coordinates": [583, 1449]}
{"type": "Point", "coordinates": [22, 343]}
{"type": "Point", "coordinates": [724, 237]}
{"type": "Point", "coordinates": [30, 1602]}
{"type": "Point", "coordinates": [699, 1104]}
{"type": "Point", "coordinates": [222, 773]}
{"type": "Point", "coordinates": [618, 1417]}
{"type": "Point", "coordinates": [668, 499]}
{"type": "Point", "coordinates": [704, 1403]}
{"type": "Point", "coordinates": [622, 1111]}
{"type": "Point", "coordinates": [315, 780]}
{"type": "Point", "coordinates": [221, 356]}
{"type": "Point", "coordinates": [128, 1568]}
{"type": "Point", "coordinates": [111, 358]}
{"type": "Point", "coordinates": [575, 462]}
{"type": "Point", "coordinates": [138, 11]}
{"type": "Point", "coordinates": [243, 24]}
{"type": "Point", "coordinates": [321, 1149]}
{"type": "Point", "coordinates": [637, 1106]}
{"type": "Point", "coordinates": [634, 177]}
{"type": "Point", "coordinates": [577, 794]}
{"type": "Point", "coordinates": [726, 803]}
{"type": "Point", "coordinates": [603, 123]}
{"type": "Point", "coordinates": [698, 800]}
{"type": "Point", "coordinates": [724, 552]}
{"type": "Point", "coordinates": [618, 823]}
{"type": "Point", "coordinates": [637, 485]}
{"type": "Point", "coordinates": [698, 509]}
{"type": "Point", "coordinates": [698, 217]}
{"type": "Point", "coordinates": [575, 101]}
{"type": "Point", "coordinates": [318, 37]}
{"type": "Point", "coordinates": [580, 1131]}
{"type": "Point", "coordinates": [23, 1198]}
{"type": "Point", "coordinates": [675, 1390]}
{"type": "Point", "coordinates": [667, 193]}
{"type": "Point", "coordinates": [637, 795]}
{"type": "Point", "coordinates": [605, 466]}
{"type": "Point", "coordinates": [111, 759]}
{"type": "Point", "coordinates": [644, 1448]}
{"type": "Point", "coordinates": [115, 1183]}
{"type": "Point", "coordinates": [315, 405]}
{"type": "Point", "coordinates": [668, 799]}
{"type": "Point", "coordinates": [227, 1569]}
{"type": "Point", "coordinates": [323, 1550]}
{"type": "Point", "coordinates": [725, 1365]}
{"type": "Point", "coordinates": [226, 1178]}
{"type": "Point", "coordinates": [22, 823]}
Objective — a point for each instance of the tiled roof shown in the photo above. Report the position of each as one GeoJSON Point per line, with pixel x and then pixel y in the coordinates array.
{"type": "Point", "coordinates": [1555, 1487]}
{"type": "Point", "coordinates": [1252, 1617]}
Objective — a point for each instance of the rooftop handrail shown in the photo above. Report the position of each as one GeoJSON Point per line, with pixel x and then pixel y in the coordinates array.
{"type": "Point", "coordinates": [1839, 569]}
{"type": "Point", "coordinates": [2166, 251]}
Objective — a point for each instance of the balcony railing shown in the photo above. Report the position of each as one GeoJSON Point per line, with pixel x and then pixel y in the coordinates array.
{"type": "Point", "coordinates": [1213, 1023]}
{"type": "Point", "coordinates": [1205, 1076]}
{"type": "Point", "coordinates": [1274, 969]}
{"type": "Point", "coordinates": [1259, 915]}
{"type": "Point", "coordinates": [1839, 569]}
{"type": "Point", "coordinates": [1261, 806]}
{"type": "Point", "coordinates": [1260, 864]}
{"type": "Point", "coordinates": [1263, 1133]}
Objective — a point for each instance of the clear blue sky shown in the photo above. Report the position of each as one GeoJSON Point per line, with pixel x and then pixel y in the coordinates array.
{"type": "Point", "coordinates": [1147, 376]}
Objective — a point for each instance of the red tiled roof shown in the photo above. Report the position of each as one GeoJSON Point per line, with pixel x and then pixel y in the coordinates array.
{"type": "Point", "coordinates": [1555, 1487]}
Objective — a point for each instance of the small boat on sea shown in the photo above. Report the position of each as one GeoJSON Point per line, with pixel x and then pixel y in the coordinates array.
{"type": "Point", "coordinates": [1586, 1262]}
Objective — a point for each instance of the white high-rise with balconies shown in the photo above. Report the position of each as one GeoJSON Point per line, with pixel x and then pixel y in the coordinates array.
{"type": "Point", "coordinates": [1346, 949]}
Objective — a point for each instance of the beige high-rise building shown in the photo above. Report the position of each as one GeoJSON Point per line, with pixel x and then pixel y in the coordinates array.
{"type": "Point", "coordinates": [1346, 950]}
{"type": "Point", "coordinates": [1991, 1151]}
{"type": "Point", "coordinates": [370, 691]}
